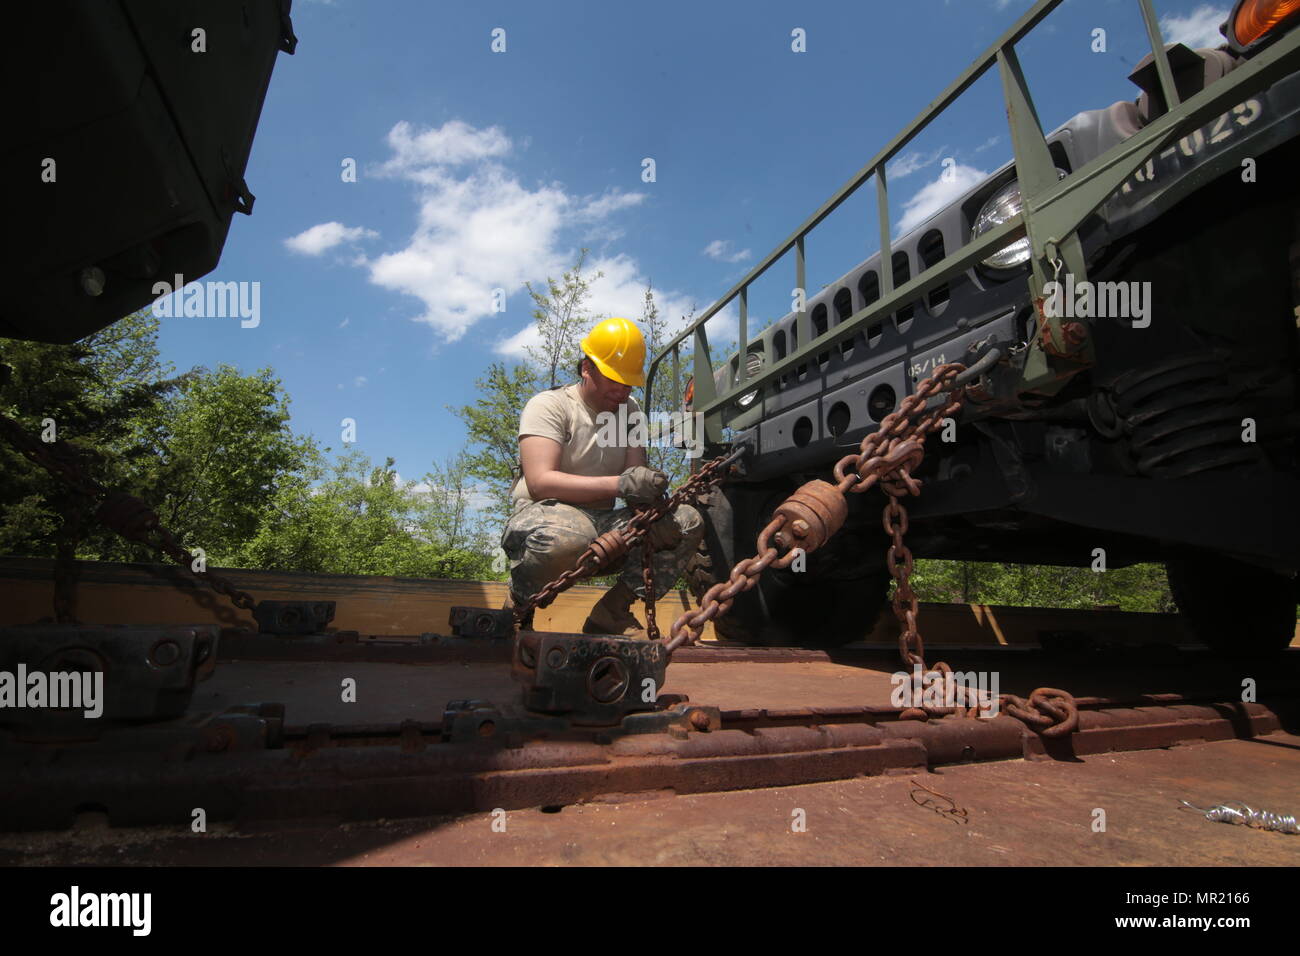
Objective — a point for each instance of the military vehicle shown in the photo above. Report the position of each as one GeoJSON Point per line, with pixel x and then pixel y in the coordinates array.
{"type": "Point", "coordinates": [1153, 416]}
{"type": "Point", "coordinates": [128, 149]}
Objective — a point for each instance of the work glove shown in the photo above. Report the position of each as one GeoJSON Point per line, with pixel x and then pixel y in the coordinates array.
{"type": "Point", "coordinates": [640, 485]}
{"type": "Point", "coordinates": [663, 534]}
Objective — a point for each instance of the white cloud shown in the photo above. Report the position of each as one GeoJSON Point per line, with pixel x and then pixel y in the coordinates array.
{"type": "Point", "coordinates": [325, 236]}
{"type": "Point", "coordinates": [611, 202]}
{"type": "Point", "coordinates": [451, 144]}
{"type": "Point", "coordinates": [909, 163]}
{"type": "Point", "coordinates": [517, 345]}
{"type": "Point", "coordinates": [478, 227]}
{"type": "Point", "coordinates": [621, 291]}
{"type": "Point", "coordinates": [720, 249]}
{"type": "Point", "coordinates": [935, 195]}
{"type": "Point", "coordinates": [360, 381]}
{"type": "Point", "coordinates": [1200, 28]}
{"type": "Point", "coordinates": [988, 144]}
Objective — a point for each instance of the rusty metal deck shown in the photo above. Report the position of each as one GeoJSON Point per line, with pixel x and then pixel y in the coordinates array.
{"type": "Point", "coordinates": [815, 725]}
{"type": "Point", "coordinates": [1019, 813]}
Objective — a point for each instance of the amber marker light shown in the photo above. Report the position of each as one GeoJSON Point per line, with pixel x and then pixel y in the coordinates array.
{"type": "Point", "coordinates": [1257, 18]}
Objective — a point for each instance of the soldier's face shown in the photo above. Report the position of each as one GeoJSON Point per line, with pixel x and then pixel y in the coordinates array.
{"type": "Point", "coordinates": [606, 393]}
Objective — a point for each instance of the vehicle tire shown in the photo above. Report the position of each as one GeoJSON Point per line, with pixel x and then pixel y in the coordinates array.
{"type": "Point", "coordinates": [1238, 609]}
{"type": "Point", "coordinates": [835, 601]}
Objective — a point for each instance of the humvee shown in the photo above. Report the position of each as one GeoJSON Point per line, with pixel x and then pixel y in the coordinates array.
{"type": "Point", "coordinates": [1153, 416]}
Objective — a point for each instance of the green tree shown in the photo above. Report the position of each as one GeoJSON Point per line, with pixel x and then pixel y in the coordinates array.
{"type": "Point", "coordinates": [561, 318]}
{"type": "Point", "coordinates": [91, 394]}
{"type": "Point", "coordinates": [360, 519]}
{"type": "Point", "coordinates": [222, 448]}
{"type": "Point", "coordinates": [492, 427]}
{"type": "Point", "coordinates": [1139, 587]}
{"type": "Point", "coordinates": [664, 400]}
{"type": "Point", "coordinates": [449, 512]}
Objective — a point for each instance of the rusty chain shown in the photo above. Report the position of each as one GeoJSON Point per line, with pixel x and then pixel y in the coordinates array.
{"type": "Point", "coordinates": [613, 545]}
{"type": "Point", "coordinates": [887, 457]}
{"type": "Point", "coordinates": [815, 512]}
{"type": "Point", "coordinates": [125, 514]}
{"type": "Point", "coordinates": [648, 579]}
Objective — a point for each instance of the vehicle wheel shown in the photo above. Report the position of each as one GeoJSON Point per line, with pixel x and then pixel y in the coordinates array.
{"type": "Point", "coordinates": [1238, 609]}
{"type": "Point", "coordinates": [836, 600]}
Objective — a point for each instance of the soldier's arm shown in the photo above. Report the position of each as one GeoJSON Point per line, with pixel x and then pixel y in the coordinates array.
{"type": "Point", "coordinates": [635, 456]}
{"type": "Point", "coordinates": [540, 458]}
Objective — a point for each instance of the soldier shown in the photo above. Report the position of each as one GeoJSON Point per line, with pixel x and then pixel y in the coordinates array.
{"type": "Point", "coordinates": [579, 448]}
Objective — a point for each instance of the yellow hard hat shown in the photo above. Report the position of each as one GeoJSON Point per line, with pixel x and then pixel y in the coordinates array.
{"type": "Point", "coordinates": [617, 348]}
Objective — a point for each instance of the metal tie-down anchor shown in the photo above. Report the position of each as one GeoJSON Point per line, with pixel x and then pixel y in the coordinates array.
{"type": "Point", "coordinates": [591, 679]}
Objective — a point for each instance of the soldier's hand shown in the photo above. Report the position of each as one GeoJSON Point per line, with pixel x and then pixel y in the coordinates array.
{"type": "Point", "coordinates": [640, 485]}
{"type": "Point", "coordinates": [663, 534]}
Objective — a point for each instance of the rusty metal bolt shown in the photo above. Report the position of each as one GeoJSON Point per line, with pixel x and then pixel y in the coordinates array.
{"type": "Point", "coordinates": [700, 720]}
{"type": "Point", "coordinates": [608, 680]}
{"type": "Point", "coordinates": [799, 528]}
{"type": "Point", "coordinates": [555, 658]}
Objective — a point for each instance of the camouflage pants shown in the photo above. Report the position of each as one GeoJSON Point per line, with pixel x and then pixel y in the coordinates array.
{"type": "Point", "coordinates": [543, 539]}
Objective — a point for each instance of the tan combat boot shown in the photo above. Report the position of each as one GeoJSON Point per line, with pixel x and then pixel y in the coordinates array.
{"type": "Point", "coordinates": [613, 615]}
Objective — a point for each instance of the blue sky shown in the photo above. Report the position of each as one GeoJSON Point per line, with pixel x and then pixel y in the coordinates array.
{"type": "Point", "coordinates": [479, 170]}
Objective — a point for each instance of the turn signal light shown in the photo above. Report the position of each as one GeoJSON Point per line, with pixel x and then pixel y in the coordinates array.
{"type": "Point", "coordinates": [1255, 18]}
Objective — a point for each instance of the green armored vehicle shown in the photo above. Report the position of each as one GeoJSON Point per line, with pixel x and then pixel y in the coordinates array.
{"type": "Point", "coordinates": [132, 125]}
{"type": "Point", "coordinates": [1128, 288]}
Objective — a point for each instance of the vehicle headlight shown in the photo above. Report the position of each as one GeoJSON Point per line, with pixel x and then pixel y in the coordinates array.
{"type": "Point", "coordinates": [752, 365]}
{"type": "Point", "coordinates": [1003, 207]}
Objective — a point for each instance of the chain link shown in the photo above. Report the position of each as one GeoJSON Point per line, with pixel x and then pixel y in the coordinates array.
{"type": "Point", "coordinates": [648, 578]}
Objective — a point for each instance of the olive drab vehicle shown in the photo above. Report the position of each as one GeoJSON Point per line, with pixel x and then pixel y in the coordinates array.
{"type": "Point", "coordinates": [130, 128]}
{"type": "Point", "coordinates": [1126, 290]}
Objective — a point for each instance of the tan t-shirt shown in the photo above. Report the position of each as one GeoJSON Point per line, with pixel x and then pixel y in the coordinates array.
{"type": "Point", "coordinates": [590, 448]}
